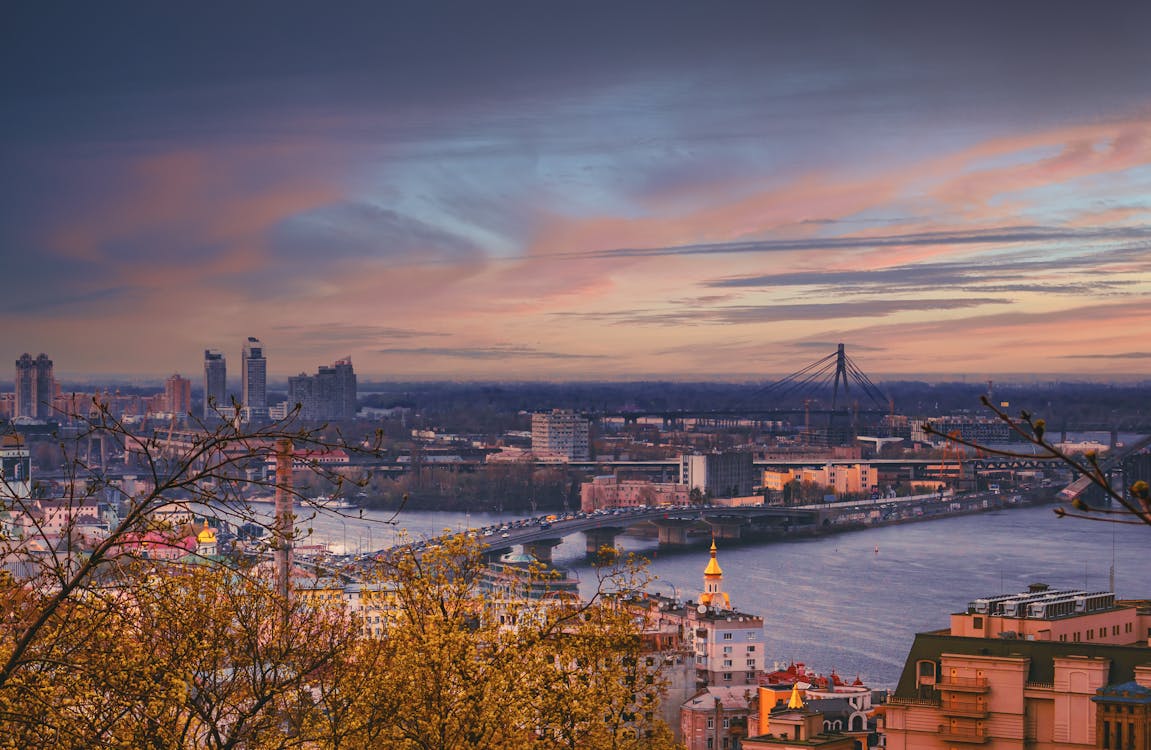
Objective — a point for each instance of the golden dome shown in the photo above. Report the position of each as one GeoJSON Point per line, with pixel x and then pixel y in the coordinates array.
{"type": "Point", "coordinates": [713, 568]}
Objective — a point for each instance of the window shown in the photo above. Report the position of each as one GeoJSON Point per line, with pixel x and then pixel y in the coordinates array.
{"type": "Point", "coordinates": [727, 676]}
{"type": "Point", "coordinates": [710, 723]}
{"type": "Point", "coordinates": [727, 636]}
{"type": "Point", "coordinates": [727, 723]}
{"type": "Point", "coordinates": [751, 636]}
{"type": "Point", "coordinates": [727, 662]}
{"type": "Point", "coordinates": [710, 741]}
{"type": "Point", "coordinates": [727, 649]}
{"type": "Point", "coordinates": [1114, 630]}
{"type": "Point", "coordinates": [751, 663]}
{"type": "Point", "coordinates": [750, 649]}
{"type": "Point", "coordinates": [977, 622]}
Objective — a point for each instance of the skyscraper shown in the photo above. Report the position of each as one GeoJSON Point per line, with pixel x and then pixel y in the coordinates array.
{"type": "Point", "coordinates": [329, 394]}
{"type": "Point", "coordinates": [35, 387]}
{"type": "Point", "coordinates": [254, 374]}
{"type": "Point", "coordinates": [177, 395]}
{"type": "Point", "coordinates": [25, 387]}
{"type": "Point", "coordinates": [344, 396]}
{"type": "Point", "coordinates": [215, 381]}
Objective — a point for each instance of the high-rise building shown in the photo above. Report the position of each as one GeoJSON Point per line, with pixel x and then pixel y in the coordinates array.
{"type": "Point", "coordinates": [177, 395]}
{"type": "Point", "coordinates": [344, 389]}
{"type": "Point", "coordinates": [560, 433]}
{"type": "Point", "coordinates": [25, 387]}
{"type": "Point", "coordinates": [215, 382]}
{"type": "Point", "coordinates": [35, 387]}
{"type": "Point", "coordinates": [254, 376]}
{"type": "Point", "coordinates": [329, 394]}
{"type": "Point", "coordinates": [718, 474]}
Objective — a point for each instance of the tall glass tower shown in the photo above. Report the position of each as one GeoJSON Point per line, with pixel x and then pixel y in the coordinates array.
{"type": "Point", "coordinates": [215, 382]}
{"type": "Point", "coordinates": [254, 375]}
{"type": "Point", "coordinates": [35, 387]}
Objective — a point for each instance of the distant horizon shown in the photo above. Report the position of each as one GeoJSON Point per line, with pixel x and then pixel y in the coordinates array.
{"type": "Point", "coordinates": [366, 383]}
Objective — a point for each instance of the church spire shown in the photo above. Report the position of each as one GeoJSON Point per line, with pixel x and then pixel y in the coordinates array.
{"type": "Point", "coordinates": [713, 594]}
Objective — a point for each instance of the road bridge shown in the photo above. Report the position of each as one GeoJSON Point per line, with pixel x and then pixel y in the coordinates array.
{"type": "Point", "coordinates": [670, 524]}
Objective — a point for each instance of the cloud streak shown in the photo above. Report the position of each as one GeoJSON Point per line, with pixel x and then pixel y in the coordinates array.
{"type": "Point", "coordinates": [485, 353]}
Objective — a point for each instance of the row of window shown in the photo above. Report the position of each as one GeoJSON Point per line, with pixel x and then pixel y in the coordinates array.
{"type": "Point", "coordinates": [1113, 737]}
{"type": "Point", "coordinates": [1092, 633]}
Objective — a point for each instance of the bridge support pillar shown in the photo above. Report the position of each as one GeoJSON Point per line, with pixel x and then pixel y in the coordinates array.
{"type": "Point", "coordinates": [597, 538]}
{"type": "Point", "coordinates": [725, 529]}
{"type": "Point", "coordinates": [672, 532]}
{"type": "Point", "coordinates": [542, 550]}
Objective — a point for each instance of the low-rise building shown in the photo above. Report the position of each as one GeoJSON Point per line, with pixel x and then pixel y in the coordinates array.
{"type": "Point", "coordinates": [716, 717]}
{"type": "Point", "coordinates": [798, 725]}
{"type": "Point", "coordinates": [609, 491]}
{"type": "Point", "coordinates": [15, 468]}
{"type": "Point", "coordinates": [840, 479]}
{"type": "Point", "coordinates": [1040, 669]}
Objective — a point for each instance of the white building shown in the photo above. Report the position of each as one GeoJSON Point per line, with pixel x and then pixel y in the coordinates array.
{"type": "Point", "coordinates": [15, 468]}
{"type": "Point", "coordinates": [560, 433]}
{"type": "Point", "coordinates": [718, 474]}
{"type": "Point", "coordinates": [728, 643]}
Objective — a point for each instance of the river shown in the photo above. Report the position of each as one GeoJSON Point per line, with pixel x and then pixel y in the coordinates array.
{"type": "Point", "coordinates": [850, 601]}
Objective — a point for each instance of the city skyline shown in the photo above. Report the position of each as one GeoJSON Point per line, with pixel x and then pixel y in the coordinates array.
{"type": "Point", "coordinates": [518, 192]}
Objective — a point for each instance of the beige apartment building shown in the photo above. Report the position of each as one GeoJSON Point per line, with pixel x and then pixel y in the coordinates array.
{"type": "Point", "coordinates": [841, 479]}
{"type": "Point", "coordinates": [1042, 669]}
{"type": "Point", "coordinates": [561, 433]}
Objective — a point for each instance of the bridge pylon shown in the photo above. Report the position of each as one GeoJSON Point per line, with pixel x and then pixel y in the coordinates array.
{"type": "Point", "coordinates": [542, 550]}
{"type": "Point", "coordinates": [599, 538]}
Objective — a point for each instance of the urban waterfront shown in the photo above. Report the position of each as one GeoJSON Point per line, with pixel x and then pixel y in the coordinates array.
{"type": "Point", "coordinates": [850, 601]}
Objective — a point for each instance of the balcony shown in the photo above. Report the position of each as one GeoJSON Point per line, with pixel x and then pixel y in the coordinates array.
{"type": "Point", "coordinates": [964, 709]}
{"type": "Point", "coordinates": [964, 684]}
{"type": "Point", "coordinates": [895, 700]}
{"type": "Point", "coordinates": [969, 736]}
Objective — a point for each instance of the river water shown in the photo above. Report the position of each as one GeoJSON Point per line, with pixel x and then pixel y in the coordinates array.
{"type": "Point", "coordinates": [850, 601]}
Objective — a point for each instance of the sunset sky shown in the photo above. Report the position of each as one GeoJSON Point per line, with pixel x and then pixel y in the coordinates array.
{"type": "Point", "coordinates": [578, 190]}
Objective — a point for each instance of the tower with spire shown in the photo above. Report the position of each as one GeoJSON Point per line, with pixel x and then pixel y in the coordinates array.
{"type": "Point", "coordinates": [713, 594]}
{"type": "Point", "coordinates": [728, 643]}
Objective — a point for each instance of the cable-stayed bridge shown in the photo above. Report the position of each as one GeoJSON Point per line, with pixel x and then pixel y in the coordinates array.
{"type": "Point", "coordinates": [833, 395]}
{"type": "Point", "coordinates": [834, 383]}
